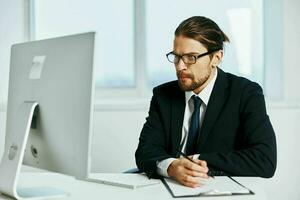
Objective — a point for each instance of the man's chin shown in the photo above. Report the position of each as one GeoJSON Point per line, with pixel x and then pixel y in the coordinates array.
{"type": "Point", "coordinates": [185, 87]}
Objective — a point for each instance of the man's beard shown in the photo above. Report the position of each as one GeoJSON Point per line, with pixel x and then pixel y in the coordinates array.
{"type": "Point", "coordinates": [195, 83]}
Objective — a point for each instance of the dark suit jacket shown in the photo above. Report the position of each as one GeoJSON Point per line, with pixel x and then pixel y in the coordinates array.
{"type": "Point", "coordinates": [236, 136]}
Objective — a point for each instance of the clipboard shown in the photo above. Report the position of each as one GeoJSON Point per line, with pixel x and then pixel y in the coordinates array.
{"type": "Point", "coordinates": [217, 186]}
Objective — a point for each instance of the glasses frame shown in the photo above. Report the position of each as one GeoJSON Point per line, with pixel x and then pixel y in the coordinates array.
{"type": "Point", "coordinates": [195, 57]}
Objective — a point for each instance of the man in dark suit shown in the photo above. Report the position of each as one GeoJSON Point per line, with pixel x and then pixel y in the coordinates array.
{"type": "Point", "coordinates": [218, 119]}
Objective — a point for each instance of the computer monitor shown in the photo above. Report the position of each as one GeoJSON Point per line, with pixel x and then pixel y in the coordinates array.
{"type": "Point", "coordinates": [51, 84]}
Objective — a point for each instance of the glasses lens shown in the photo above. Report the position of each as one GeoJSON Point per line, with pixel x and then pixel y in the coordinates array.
{"type": "Point", "coordinates": [189, 59]}
{"type": "Point", "coordinates": [171, 57]}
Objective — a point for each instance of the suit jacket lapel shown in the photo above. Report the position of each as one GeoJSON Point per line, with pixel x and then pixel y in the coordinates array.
{"type": "Point", "coordinates": [178, 107]}
{"type": "Point", "coordinates": [217, 99]}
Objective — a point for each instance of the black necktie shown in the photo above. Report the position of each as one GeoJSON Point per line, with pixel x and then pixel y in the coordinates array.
{"type": "Point", "coordinates": [194, 127]}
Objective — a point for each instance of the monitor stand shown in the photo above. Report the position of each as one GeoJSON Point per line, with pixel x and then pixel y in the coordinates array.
{"type": "Point", "coordinates": [12, 159]}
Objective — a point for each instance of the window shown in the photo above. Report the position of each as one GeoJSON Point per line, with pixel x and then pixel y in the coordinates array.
{"type": "Point", "coordinates": [133, 36]}
{"type": "Point", "coordinates": [113, 22]}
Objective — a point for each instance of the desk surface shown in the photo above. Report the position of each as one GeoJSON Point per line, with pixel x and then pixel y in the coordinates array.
{"type": "Point", "coordinates": [80, 190]}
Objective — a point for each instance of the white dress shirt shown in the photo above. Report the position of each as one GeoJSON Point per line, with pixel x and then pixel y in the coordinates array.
{"type": "Point", "coordinates": [204, 95]}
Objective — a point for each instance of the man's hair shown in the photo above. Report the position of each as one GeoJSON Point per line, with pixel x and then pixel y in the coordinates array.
{"type": "Point", "coordinates": [204, 30]}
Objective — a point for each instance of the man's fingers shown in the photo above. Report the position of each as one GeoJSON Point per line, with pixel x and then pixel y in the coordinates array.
{"type": "Point", "coordinates": [200, 162]}
{"type": "Point", "coordinates": [192, 181]}
{"type": "Point", "coordinates": [189, 173]}
{"type": "Point", "coordinates": [197, 174]}
{"type": "Point", "coordinates": [192, 185]}
{"type": "Point", "coordinates": [195, 166]}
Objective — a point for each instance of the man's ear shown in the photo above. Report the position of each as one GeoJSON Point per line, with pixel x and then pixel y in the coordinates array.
{"type": "Point", "coordinates": [217, 58]}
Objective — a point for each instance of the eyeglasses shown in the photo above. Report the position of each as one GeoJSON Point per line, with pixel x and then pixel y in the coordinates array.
{"type": "Point", "coordinates": [187, 58]}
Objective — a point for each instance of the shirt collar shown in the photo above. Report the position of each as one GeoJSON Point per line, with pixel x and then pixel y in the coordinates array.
{"type": "Point", "coordinates": [204, 95]}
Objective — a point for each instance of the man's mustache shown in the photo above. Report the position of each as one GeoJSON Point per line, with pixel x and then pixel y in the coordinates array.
{"type": "Point", "coordinates": [181, 74]}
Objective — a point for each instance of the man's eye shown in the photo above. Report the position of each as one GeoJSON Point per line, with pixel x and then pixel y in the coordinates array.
{"type": "Point", "coordinates": [189, 57]}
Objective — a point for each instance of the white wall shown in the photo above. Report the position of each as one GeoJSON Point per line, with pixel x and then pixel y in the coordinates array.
{"type": "Point", "coordinates": [291, 46]}
{"type": "Point", "coordinates": [284, 185]}
{"type": "Point", "coordinates": [115, 139]}
{"type": "Point", "coordinates": [117, 132]}
{"type": "Point", "coordinates": [12, 30]}
{"type": "Point", "coordinates": [2, 131]}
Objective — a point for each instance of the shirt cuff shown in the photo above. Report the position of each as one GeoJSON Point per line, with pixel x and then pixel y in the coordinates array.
{"type": "Point", "coordinates": [196, 156]}
{"type": "Point", "coordinates": [162, 166]}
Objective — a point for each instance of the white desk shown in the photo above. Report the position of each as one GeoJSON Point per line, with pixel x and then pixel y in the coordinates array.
{"type": "Point", "coordinates": [81, 190]}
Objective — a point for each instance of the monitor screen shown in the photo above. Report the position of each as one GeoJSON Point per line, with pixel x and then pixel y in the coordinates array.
{"type": "Point", "coordinates": [57, 74]}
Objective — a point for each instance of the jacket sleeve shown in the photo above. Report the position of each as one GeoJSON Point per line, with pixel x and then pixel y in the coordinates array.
{"type": "Point", "coordinates": [258, 156]}
{"type": "Point", "coordinates": [151, 147]}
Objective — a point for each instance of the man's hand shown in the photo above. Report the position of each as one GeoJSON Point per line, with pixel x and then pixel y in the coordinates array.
{"type": "Point", "coordinates": [191, 174]}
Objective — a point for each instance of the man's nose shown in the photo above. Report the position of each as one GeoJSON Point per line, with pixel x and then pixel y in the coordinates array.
{"type": "Point", "coordinates": [180, 65]}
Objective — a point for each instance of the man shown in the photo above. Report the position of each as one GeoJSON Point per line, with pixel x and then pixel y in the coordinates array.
{"type": "Point", "coordinates": [218, 119]}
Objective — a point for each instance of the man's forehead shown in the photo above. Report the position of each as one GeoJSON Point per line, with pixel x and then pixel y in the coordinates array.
{"type": "Point", "coordinates": [185, 45]}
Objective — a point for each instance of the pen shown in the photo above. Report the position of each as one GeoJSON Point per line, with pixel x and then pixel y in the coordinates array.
{"type": "Point", "coordinates": [186, 156]}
